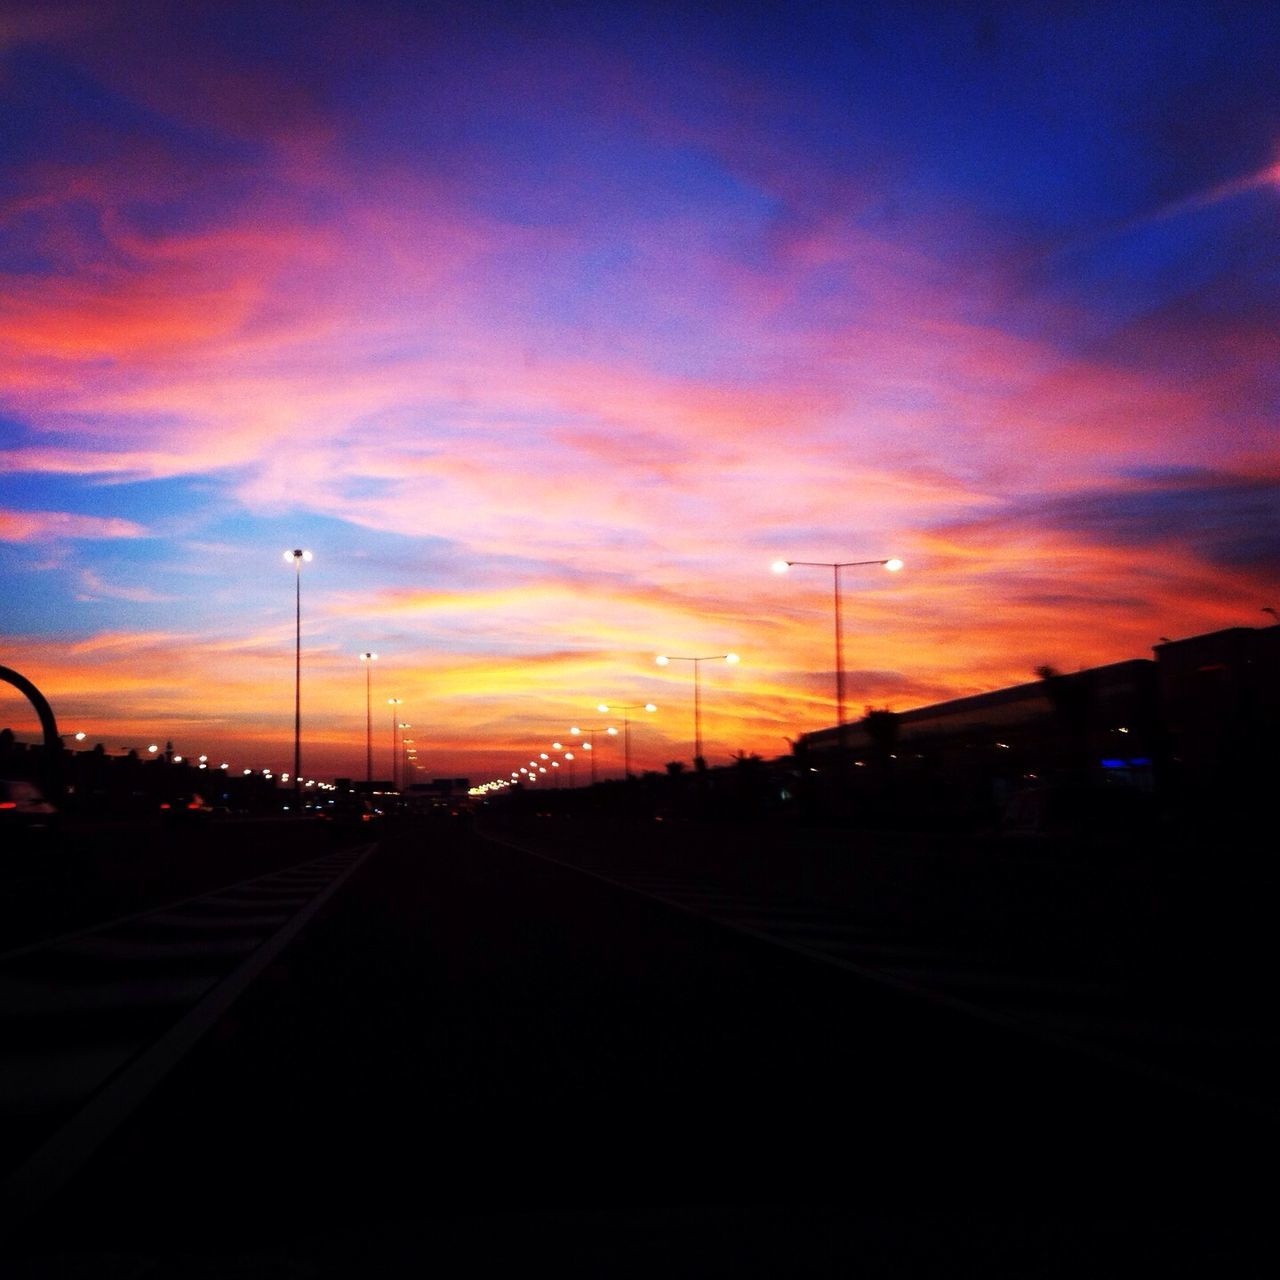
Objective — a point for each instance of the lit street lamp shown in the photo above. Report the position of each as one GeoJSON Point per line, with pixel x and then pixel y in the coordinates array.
{"type": "Point", "coordinates": [568, 757]}
{"type": "Point", "coordinates": [298, 556]}
{"type": "Point", "coordinates": [626, 727]}
{"type": "Point", "coordinates": [393, 703]}
{"type": "Point", "coordinates": [368, 659]}
{"type": "Point", "coordinates": [662, 659]}
{"type": "Point", "coordinates": [892, 565]}
{"type": "Point", "coordinates": [590, 744]}
{"type": "Point", "coordinates": [404, 768]}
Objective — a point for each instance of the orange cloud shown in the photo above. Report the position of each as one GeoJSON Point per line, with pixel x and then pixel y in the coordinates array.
{"type": "Point", "coordinates": [574, 466]}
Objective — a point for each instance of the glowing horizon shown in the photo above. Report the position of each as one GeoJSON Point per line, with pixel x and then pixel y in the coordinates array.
{"type": "Point", "coordinates": [548, 336]}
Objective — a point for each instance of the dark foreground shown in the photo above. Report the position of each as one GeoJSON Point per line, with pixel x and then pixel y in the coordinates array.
{"type": "Point", "coordinates": [475, 1059]}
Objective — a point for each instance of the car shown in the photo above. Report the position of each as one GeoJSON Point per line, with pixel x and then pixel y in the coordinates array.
{"type": "Point", "coordinates": [24, 809]}
{"type": "Point", "coordinates": [350, 813]}
{"type": "Point", "coordinates": [190, 808]}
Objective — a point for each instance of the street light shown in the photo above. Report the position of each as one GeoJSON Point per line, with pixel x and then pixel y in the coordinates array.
{"type": "Point", "coordinates": [662, 659]}
{"type": "Point", "coordinates": [589, 734]}
{"type": "Point", "coordinates": [368, 659]}
{"type": "Point", "coordinates": [393, 703]}
{"type": "Point", "coordinates": [626, 726]}
{"type": "Point", "coordinates": [892, 565]}
{"type": "Point", "coordinates": [404, 768]}
{"type": "Point", "coordinates": [299, 557]}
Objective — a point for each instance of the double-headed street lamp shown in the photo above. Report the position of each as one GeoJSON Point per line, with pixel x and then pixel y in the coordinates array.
{"type": "Point", "coordinates": [662, 659]}
{"type": "Point", "coordinates": [590, 745]}
{"type": "Point", "coordinates": [393, 703]}
{"type": "Point", "coordinates": [605, 708]}
{"type": "Point", "coordinates": [892, 565]}
{"type": "Point", "coordinates": [404, 767]}
{"type": "Point", "coordinates": [569, 756]}
{"type": "Point", "coordinates": [368, 659]}
{"type": "Point", "coordinates": [298, 556]}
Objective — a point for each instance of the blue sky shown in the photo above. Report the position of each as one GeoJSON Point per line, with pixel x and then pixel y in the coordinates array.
{"type": "Point", "coordinates": [548, 328]}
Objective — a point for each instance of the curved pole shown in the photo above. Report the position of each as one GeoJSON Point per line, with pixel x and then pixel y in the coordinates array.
{"type": "Point", "coordinates": [48, 725]}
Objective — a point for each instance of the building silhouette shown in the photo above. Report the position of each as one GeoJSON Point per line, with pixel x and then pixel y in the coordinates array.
{"type": "Point", "coordinates": [1191, 731]}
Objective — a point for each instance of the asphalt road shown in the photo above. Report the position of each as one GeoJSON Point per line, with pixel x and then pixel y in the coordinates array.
{"type": "Point", "coordinates": [92, 871]}
{"type": "Point", "coordinates": [477, 1059]}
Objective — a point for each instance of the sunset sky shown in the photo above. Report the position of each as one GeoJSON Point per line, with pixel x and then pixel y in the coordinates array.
{"type": "Point", "coordinates": [547, 328]}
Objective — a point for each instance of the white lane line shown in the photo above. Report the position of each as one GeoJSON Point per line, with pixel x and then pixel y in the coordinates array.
{"type": "Point", "coordinates": [50, 1168]}
{"type": "Point", "coordinates": [909, 983]}
{"type": "Point", "coordinates": [103, 925]}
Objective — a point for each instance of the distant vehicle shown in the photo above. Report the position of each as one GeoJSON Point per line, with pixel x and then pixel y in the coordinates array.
{"type": "Point", "coordinates": [189, 809]}
{"type": "Point", "coordinates": [350, 813]}
{"type": "Point", "coordinates": [455, 808]}
{"type": "Point", "coordinates": [24, 809]}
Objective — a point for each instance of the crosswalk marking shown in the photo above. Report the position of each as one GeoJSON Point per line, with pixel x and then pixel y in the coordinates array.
{"type": "Point", "coordinates": [93, 1020]}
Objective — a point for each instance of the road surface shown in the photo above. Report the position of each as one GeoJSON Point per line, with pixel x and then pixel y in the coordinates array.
{"type": "Point", "coordinates": [475, 1058]}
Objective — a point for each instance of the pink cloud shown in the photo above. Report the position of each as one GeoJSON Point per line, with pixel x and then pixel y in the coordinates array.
{"type": "Point", "coordinates": [38, 526]}
{"type": "Point", "coordinates": [347, 338]}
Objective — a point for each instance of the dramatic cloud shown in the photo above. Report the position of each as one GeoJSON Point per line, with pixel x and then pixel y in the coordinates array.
{"type": "Point", "coordinates": [548, 331]}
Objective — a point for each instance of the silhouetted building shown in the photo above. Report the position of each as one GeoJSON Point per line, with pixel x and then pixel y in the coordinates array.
{"type": "Point", "coordinates": [1220, 696]}
{"type": "Point", "coordinates": [1197, 726]}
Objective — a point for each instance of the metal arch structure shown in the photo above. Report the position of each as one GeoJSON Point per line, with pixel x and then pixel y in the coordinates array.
{"type": "Point", "coordinates": [52, 743]}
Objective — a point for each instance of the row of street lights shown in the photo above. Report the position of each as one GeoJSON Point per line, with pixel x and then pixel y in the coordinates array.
{"type": "Point", "coordinates": [201, 762]}
{"type": "Point", "coordinates": [298, 557]}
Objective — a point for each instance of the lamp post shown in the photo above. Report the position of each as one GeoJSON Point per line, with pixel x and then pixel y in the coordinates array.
{"type": "Point", "coordinates": [892, 565]}
{"type": "Point", "coordinates": [393, 703]}
{"type": "Point", "coordinates": [590, 744]}
{"type": "Point", "coordinates": [368, 659]}
{"type": "Point", "coordinates": [662, 659]}
{"type": "Point", "coordinates": [605, 708]}
{"type": "Point", "coordinates": [568, 755]}
{"type": "Point", "coordinates": [298, 556]}
{"type": "Point", "coordinates": [404, 766]}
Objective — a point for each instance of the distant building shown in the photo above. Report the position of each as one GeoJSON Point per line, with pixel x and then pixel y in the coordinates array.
{"type": "Point", "coordinates": [1198, 725]}
{"type": "Point", "coordinates": [1220, 697]}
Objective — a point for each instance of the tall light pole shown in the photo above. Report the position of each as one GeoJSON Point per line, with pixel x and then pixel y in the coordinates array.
{"type": "Point", "coordinates": [590, 745]}
{"type": "Point", "coordinates": [368, 659]}
{"type": "Point", "coordinates": [393, 703]}
{"type": "Point", "coordinates": [605, 708]}
{"type": "Point", "coordinates": [299, 557]}
{"type": "Point", "coordinates": [404, 764]}
{"type": "Point", "coordinates": [568, 755]}
{"type": "Point", "coordinates": [662, 659]}
{"type": "Point", "coordinates": [892, 565]}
